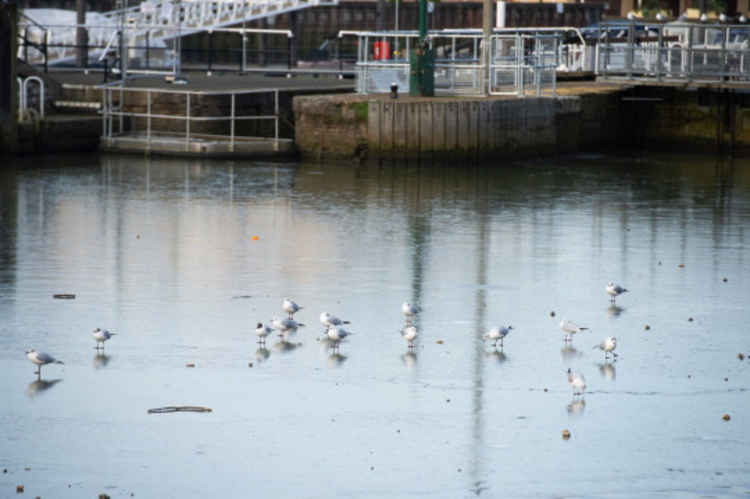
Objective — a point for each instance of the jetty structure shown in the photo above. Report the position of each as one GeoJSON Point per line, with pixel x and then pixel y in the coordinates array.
{"type": "Point", "coordinates": [124, 81]}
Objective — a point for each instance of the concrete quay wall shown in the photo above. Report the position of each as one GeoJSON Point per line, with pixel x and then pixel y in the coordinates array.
{"type": "Point", "coordinates": [345, 127]}
{"type": "Point", "coordinates": [447, 128]}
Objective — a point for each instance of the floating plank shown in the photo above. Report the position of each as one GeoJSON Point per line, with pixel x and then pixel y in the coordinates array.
{"type": "Point", "coordinates": [179, 408]}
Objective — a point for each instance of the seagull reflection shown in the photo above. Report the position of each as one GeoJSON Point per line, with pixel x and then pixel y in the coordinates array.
{"type": "Point", "coordinates": [409, 359]}
{"type": "Point", "coordinates": [40, 386]}
{"type": "Point", "coordinates": [336, 359]}
{"type": "Point", "coordinates": [285, 346]}
{"type": "Point", "coordinates": [608, 371]}
{"type": "Point", "coordinates": [576, 406]}
{"type": "Point", "coordinates": [497, 355]}
{"type": "Point", "coordinates": [614, 311]}
{"type": "Point", "coordinates": [262, 354]}
{"type": "Point", "coordinates": [101, 360]}
{"type": "Point", "coordinates": [569, 352]}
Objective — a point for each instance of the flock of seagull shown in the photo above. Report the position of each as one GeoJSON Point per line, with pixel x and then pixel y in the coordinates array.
{"type": "Point", "coordinates": [335, 333]}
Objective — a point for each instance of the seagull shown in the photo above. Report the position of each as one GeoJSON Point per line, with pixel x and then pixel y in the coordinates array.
{"type": "Point", "coordinates": [570, 328]}
{"type": "Point", "coordinates": [497, 333]}
{"type": "Point", "coordinates": [101, 335]}
{"type": "Point", "coordinates": [285, 326]}
{"type": "Point", "coordinates": [290, 307]}
{"type": "Point", "coordinates": [262, 331]}
{"type": "Point", "coordinates": [336, 334]}
{"type": "Point", "coordinates": [409, 310]}
{"type": "Point", "coordinates": [410, 334]}
{"type": "Point", "coordinates": [40, 359]}
{"type": "Point", "coordinates": [608, 345]}
{"type": "Point", "coordinates": [577, 382]}
{"type": "Point", "coordinates": [614, 290]}
{"type": "Point", "coordinates": [330, 321]}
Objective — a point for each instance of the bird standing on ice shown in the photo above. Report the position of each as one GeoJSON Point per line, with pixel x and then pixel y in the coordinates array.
{"type": "Point", "coordinates": [409, 311]}
{"type": "Point", "coordinates": [614, 290]}
{"type": "Point", "coordinates": [497, 333]}
{"type": "Point", "coordinates": [410, 334]}
{"type": "Point", "coordinates": [330, 321]}
{"type": "Point", "coordinates": [262, 331]}
{"type": "Point", "coordinates": [577, 382]}
{"type": "Point", "coordinates": [101, 335]}
{"type": "Point", "coordinates": [336, 334]}
{"type": "Point", "coordinates": [290, 307]}
{"type": "Point", "coordinates": [570, 328]}
{"type": "Point", "coordinates": [285, 326]}
{"type": "Point", "coordinates": [41, 359]}
{"type": "Point", "coordinates": [608, 345]}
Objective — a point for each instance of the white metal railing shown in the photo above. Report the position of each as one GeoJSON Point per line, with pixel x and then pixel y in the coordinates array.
{"type": "Point", "coordinates": [162, 20]}
{"type": "Point", "coordinates": [26, 110]}
{"type": "Point", "coordinates": [121, 124]}
{"type": "Point", "coordinates": [144, 49]}
{"type": "Point", "coordinates": [520, 60]}
{"type": "Point", "coordinates": [383, 59]}
{"type": "Point", "coordinates": [524, 63]}
{"type": "Point", "coordinates": [674, 52]}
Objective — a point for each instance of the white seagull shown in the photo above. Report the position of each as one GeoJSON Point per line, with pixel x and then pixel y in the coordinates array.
{"type": "Point", "coordinates": [40, 359]}
{"type": "Point", "coordinates": [101, 335]}
{"type": "Point", "coordinates": [410, 334]}
{"type": "Point", "coordinates": [330, 321]}
{"type": "Point", "coordinates": [614, 290]}
{"type": "Point", "coordinates": [285, 326]}
{"type": "Point", "coordinates": [336, 334]}
{"type": "Point", "coordinates": [409, 310]}
{"type": "Point", "coordinates": [577, 382]}
{"type": "Point", "coordinates": [262, 331]}
{"type": "Point", "coordinates": [570, 328]}
{"type": "Point", "coordinates": [290, 307]}
{"type": "Point", "coordinates": [608, 345]}
{"type": "Point", "coordinates": [497, 333]}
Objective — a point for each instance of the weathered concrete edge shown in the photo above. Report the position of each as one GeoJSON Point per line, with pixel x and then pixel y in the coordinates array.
{"type": "Point", "coordinates": [355, 126]}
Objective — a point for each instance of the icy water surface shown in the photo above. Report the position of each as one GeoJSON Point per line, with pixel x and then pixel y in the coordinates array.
{"type": "Point", "coordinates": [181, 258]}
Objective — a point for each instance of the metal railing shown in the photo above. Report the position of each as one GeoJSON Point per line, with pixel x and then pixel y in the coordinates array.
{"type": "Point", "coordinates": [27, 98]}
{"type": "Point", "coordinates": [166, 19]}
{"type": "Point", "coordinates": [145, 53]}
{"type": "Point", "coordinates": [521, 61]}
{"type": "Point", "coordinates": [121, 124]}
{"type": "Point", "coordinates": [674, 52]}
{"type": "Point", "coordinates": [383, 59]}
{"type": "Point", "coordinates": [522, 64]}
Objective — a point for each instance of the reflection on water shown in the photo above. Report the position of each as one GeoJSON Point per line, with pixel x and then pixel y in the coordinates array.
{"type": "Point", "coordinates": [607, 370]}
{"type": "Point", "coordinates": [576, 406]}
{"type": "Point", "coordinates": [262, 353]}
{"type": "Point", "coordinates": [284, 346]}
{"type": "Point", "coordinates": [336, 359]}
{"type": "Point", "coordinates": [40, 386]}
{"type": "Point", "coordinates": [409, 359]}
{"type": "Point", "coordinates": [614, 311]}
{"type": "Point", "coordinates": [161, 246]}
{"type": "Point", "coordinates": [101, 360]}
{"type": "Point", "coordinates": [569, 353]}
{"type": "Point", "coordinates": [498, 356]}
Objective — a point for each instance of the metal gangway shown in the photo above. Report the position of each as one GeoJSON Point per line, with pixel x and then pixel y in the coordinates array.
{"type": "Point", "coordinates": [152, 21]}
{"type": "Point", "coordinates": [676, 51]}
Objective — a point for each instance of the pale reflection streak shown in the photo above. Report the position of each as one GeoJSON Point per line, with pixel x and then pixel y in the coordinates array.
{"type": "Point", "coordinates": [101, 360]}
{"type": "Point", "coordinates": [40, 386]}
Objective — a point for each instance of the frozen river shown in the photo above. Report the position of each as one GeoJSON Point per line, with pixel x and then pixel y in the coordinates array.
{"type": "Point", "coordinates": [181, 258]}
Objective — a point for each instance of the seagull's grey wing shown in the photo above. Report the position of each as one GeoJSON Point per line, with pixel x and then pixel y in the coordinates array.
{"type": "Point", "coordinates": [45, 357]}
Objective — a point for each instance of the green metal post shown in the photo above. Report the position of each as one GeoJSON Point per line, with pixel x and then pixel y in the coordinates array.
{"type": "Point", "coordinates": [422, 60]}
